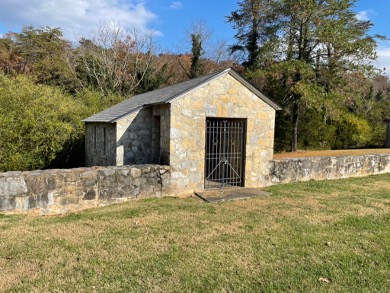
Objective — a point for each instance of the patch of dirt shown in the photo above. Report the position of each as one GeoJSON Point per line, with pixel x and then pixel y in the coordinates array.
{"type": "Point", "coordinates": [331, 153]}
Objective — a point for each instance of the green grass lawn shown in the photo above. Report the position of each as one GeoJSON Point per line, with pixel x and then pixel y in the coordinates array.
{"type": "Point", "coordinates": [326, 236]}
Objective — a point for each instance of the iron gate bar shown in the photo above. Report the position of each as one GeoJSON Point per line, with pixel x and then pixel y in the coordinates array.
{"type": "Point", "coordinates": [225, 150]}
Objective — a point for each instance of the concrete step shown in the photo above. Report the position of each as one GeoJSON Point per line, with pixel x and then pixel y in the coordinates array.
{"type": "Point", "coordinates": [227, 194]}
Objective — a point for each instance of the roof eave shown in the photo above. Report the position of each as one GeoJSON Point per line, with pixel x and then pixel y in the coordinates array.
{"type": "Point", "coordinates": [87, 120]}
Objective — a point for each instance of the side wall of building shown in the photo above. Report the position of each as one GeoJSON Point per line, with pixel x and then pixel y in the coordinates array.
{"type": "Point", "coordinates": [100, 142]}
{"type": "Point", "coordinates": [224, 97]}
{"type": "Point", "coordinates": [134, 134]}
{"type": "Point", "coordinates": [143, 137]}
{"type": "Point", "coordinates": [162, 114]}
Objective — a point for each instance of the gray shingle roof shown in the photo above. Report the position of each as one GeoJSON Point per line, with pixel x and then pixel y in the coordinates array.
{"type": "Point", "coordinates": [165, 95]}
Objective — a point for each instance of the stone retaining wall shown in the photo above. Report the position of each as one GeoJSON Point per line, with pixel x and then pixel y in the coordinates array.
{"type": "Point", "coordinates": [58, 191]}
{"type": "Point", "coordinates": [320, 168]}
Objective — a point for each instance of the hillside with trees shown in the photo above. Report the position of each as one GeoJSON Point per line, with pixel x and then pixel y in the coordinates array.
{"type": "Point", "coordinates": [311, 56]}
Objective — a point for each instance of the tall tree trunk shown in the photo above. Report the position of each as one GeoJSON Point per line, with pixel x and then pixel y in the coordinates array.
{"type": "Point", "coordinates": [387, 144]}
{"type": "Point", "coordinates": [295, 119]}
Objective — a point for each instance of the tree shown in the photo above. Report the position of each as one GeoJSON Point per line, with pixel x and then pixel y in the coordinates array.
{"type": "Point", "coordinates": [255, 25]}
{"type": "Point", "coordinates": [197, 52]}
{"type": "Point", "coordinates": [10, 61]}
{"type": "Point", "coordinates": [314, 45]}
{"type": "Point", "coordinates": [152, 79]}
{"type": "Point", "coordinates": [204, 54]}
{"type": "Point", "coordinates": [195, 37]}
{"type": "Point", "coordinates": [44, 53]}
{"type": "Point", "coordinates": [114, 60]}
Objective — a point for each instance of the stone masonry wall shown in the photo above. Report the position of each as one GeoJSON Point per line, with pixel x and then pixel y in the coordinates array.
{"type": "Point", "coordinates": [224, 97]}
{"type": "Point", "coordinates": [143, 137]}
{"type": "Point", "coordinates": [320, 168]}
{"type": "Point", "coordinates": [164, 114]}
{"type": "Point", "coordinates": [100, 142]}
{"type": "Point", "coordinates": [57, 191]}
{"type": "Point", "coordinates": [134, 138]}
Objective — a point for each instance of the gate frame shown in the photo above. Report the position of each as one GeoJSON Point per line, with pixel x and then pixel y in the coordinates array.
{"type": "Point", "coordinates": [243, 153]}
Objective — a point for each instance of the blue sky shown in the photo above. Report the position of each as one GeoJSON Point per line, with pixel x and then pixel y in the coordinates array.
{"type": "Point", "coordinates": [167, 18]}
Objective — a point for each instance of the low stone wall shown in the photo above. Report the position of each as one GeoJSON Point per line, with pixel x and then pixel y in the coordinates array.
{"type": "Point", "coordinates": [320, 168]}
{"type": "Point", "coordinates": [58, 191]}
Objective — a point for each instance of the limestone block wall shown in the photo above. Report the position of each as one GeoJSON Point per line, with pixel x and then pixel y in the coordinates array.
{"type": "Point", "coordinates": [134, 138]}
{"type": "Point", "coordinates": [224, 97]}
{"type": "Point", "coordinates": [163, 113]}
{"type": "Point", "coordinates": [100, 142]}
{"type": "Point", "coordinates": [57, 191]}
{"type": "Point", "coordinates": [143, 137]}
{"type": "Point", "coordinates": [320, 168]}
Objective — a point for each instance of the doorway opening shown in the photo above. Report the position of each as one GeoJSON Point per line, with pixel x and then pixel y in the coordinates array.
{"type": "Point", "coordinates": [225, 152]}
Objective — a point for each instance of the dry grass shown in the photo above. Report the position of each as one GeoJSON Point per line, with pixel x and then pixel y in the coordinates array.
{"type": "Point", "coordinates": [331, 153]}
{"type": "Point", "coordinates": [334, 230]}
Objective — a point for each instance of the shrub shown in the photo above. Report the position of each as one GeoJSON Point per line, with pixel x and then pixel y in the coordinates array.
{"type": "Point", "coordinates": [36, 122]}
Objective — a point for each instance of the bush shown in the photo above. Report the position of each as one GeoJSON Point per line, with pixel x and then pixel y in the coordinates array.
{"type": "Point", "coordinates": [37, 121]}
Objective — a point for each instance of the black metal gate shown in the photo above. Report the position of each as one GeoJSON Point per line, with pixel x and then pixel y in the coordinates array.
{"type": "Point", "coordinates": [225, 152]}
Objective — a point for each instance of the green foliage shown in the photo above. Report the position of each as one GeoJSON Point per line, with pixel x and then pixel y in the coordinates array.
{"type": "Point", "coordinates": [151, 79]}
{"type": "Point", "coordinates": [352, 131]}
{"type": "Point", "coordinates": [42, 126]}
{"type": "Point", "coordinates": [44, 52]}
{"type": "Point", "coordinates": [313, 58]}
{"type": "Point", "coordinates": [73, 151]}
{"type": "Point", "coordinates": [37, 121]}
{"type": "Point", "coordinates": [255, 23]}
{"type": "Point", "coordinates": [94, 101]}
{"type": "Point", "coordinates": [197, 51]}
{"type": "Point", "coordinates": [315, 132]}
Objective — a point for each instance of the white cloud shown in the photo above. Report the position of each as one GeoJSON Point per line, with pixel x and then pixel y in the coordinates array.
{"type": "Point", "coordinates": [75, 17]}
{"type": "Point", "coordinates": [362, 15]}
{"type": "Point", "coordinates": [176, 5]}
{"type": "Point", "coordinates": [383, 60]}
